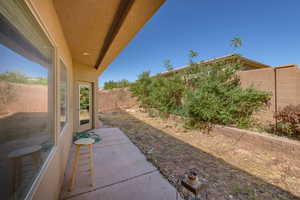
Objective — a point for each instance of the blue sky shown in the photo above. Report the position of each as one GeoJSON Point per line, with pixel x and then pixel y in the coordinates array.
{"type": "Point", "coordinates": [11, 61]}
{"type": "Point", "coordinates": [269, 29]}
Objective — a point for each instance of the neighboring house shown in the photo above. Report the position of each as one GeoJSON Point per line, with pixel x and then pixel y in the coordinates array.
{"type": "Point", "coordinates": [247, 64]}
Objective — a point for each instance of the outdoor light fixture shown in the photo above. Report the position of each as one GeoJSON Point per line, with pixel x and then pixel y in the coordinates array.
{"type": "Point", "coordinates": [193, 184]}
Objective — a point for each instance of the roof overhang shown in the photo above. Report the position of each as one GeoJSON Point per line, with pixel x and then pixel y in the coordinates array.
{"type": "Point", "coordinates": [97, 30]}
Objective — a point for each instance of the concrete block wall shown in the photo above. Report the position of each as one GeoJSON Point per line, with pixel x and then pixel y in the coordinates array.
{"type": "Point", "coordinates": [288, 81]}
{"type": "Point", "coordinates": [262, 79]}
{"type": "Point", "coordinates": [27, 98]}
{"type": "Point", "coordinates": [282, 81]}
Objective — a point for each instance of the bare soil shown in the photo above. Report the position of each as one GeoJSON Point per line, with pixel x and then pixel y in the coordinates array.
{"type": "Point", "coordinates": [232, 171]}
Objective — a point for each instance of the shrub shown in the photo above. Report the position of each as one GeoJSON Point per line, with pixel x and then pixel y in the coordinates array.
{"type": "Point", "coordinates": [216, 97]}
{"type": "Point", "coordinates": [17, 77]}
{"type": "Point", "coordinates": [116, 84]}
{"type": "Point", "coordinates": [163, 94]}
{"type": "Point", "coordinates": [288, 120]}
{"type": "Point", "coordinates": [205, 95]}
{"type": "Point", "coordinates": [14, 77]}
{"type": "Point", "coordinates": [141, 88]}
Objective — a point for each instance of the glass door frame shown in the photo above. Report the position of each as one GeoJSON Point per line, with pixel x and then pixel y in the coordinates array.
{"type": "Point", "coordinates": [89, 125]}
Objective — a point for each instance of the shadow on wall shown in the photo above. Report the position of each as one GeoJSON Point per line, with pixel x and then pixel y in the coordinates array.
{"type": "Point", "coordinates": [174, 157]}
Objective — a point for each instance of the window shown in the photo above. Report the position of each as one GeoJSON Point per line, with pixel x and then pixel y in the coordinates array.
{"type": "Point", "coordinates": [26, 99]}
{"type": "Point", "coordinates": [63, 95]}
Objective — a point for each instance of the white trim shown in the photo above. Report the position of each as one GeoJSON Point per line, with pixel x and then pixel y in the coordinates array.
{"type": "Point", "coordinates": [62, 130]}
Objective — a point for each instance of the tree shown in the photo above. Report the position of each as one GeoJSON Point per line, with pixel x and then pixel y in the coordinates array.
{"type": "Point", "coordinates": [14, 77]}
{"type": "Point", "coordinates": [236, 42]}
{"type": "Point", "coordinates": [168, 65]}
{"type": "Point", "coordinates": [84, 98]}
{"type": "Point", "coordinates": [193, 54]}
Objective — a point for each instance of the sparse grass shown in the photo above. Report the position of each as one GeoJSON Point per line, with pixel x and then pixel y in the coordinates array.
{"type": "Point", "coordinates": [232, 170]}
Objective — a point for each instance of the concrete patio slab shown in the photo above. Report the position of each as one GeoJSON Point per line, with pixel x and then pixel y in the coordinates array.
{"type": "Point", "coordinates": [146, 187]}
{"type": "Point", "coordinates": [119, 165]}
{"type": "Point", "coordinates": [111, 136]}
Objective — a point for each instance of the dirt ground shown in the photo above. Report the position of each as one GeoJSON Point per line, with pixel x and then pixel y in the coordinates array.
{"type": "Point", "coordinates": [232, 172]}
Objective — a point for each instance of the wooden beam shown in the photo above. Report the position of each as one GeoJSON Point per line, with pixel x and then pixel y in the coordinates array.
{"type": "Point", "coordinates": [118, 20]}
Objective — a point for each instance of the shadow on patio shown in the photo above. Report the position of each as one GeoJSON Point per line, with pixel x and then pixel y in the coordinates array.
{"type": "Point", "coordinates": [169, 155]}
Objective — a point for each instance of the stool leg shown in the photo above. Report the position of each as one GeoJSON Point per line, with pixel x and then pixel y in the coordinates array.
{"type": "Point", "coordinates": [91, 164]}
{"type": "Point", "coordinates": [75, 163]}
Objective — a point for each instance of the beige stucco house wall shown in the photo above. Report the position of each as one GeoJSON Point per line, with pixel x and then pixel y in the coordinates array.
{"type": "Point", "coordinates": [48, 185]}
{"type": "Point", "coordinates": [115, 32]}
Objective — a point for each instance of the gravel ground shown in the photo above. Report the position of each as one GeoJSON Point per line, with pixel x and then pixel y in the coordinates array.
{"type": "Point", "coordinates": [232, 172]}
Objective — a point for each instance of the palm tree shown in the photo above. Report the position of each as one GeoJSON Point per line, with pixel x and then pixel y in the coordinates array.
{"type": "Point", "coordinates": [236, 42]}
{"type": "Point", "coordinates": [193, 54]}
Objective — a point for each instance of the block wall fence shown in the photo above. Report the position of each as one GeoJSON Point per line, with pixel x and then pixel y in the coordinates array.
{"type": "Point", "coordinates": [283, 82]}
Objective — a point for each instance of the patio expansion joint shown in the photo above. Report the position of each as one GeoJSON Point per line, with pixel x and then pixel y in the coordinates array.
{"type": "Point", "coordinates": [112, 184]}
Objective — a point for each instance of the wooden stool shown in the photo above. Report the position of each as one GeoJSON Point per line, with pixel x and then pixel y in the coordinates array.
{"type": "Point", "coordinates": [17, 163]}
{"type": "Point", "coordinates": [88, 142]}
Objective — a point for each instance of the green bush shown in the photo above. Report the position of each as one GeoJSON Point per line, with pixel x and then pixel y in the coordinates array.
{"type": "Point", "coordinates": [141, 89]}
{"type": "Point", "coordinates": [116, 84]}
{"type": "Point", "coordinates": [215, 96]}
{"type": "Point", "coordinates": [288, 121]}
{"type": "Point", "coordinates": [205, 95]}
{"type": "Point", "coordinates": [17, 77]}
{"type": "Point", "coordinates": [84, 98]}
{"type": "Point", "coordinates": [161, 93]}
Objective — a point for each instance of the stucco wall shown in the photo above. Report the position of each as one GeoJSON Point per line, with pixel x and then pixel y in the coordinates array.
{"type": "Point", "coordinates": [118, 98]}
{"type": "Point", "coordinates": [84, 73]}
{"type": "Point", "coordinates": [49, 182]}
{"type": "Point", "coordinates": [37, 101]}
{"type": "Point", "coordinates": [284, 83]}
{"type": "Point", "coordinates": [262, 79]}
{"type": "Point", "coordinates": [288, 80]}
